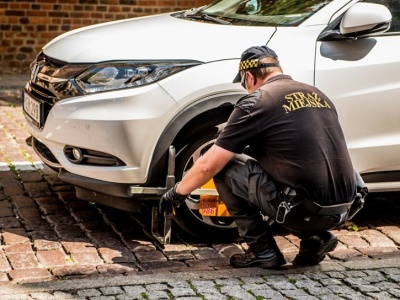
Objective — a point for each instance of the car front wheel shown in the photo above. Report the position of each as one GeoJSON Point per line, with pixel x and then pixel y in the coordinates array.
{"type": "Point", "coordinates": [190, 215]}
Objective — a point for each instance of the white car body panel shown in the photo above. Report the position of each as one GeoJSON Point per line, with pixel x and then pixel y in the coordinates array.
{"type": "Point", "coordinates": [296, 50]}
{"type": "Point", "coordinates": [190, 86]}
{"type": "Point", "coordinates": [157, 37]}
{"type": "Point", "coordinates": [368, 78]}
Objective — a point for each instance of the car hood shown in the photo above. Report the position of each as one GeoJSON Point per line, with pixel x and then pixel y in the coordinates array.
{"type": "Point", "coordinates": [156, 37]}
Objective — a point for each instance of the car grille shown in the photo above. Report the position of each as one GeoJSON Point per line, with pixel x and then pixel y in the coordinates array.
{"type": "Point", "coordinates": [52, 81]}
{"type": "Point", "coordinates": [43, 94]}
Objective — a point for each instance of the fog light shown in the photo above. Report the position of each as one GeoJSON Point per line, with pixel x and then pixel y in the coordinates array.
{"type": "Point", "coordinates": [77, 153]}
{"type": "Point", "coordinates": [74, 154]}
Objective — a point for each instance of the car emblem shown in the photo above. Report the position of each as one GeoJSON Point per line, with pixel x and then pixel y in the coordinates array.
{"type": "Point", "coordinates": [35, 71]}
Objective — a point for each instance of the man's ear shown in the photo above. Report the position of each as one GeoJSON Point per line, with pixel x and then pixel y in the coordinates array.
{"type": "Point", "coordinates": [253, 78]}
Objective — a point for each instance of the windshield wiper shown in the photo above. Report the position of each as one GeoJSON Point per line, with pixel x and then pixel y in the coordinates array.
{"type": "Point", "coordinates": [195, 13]}
{"type": "Point", "coordinates": [192, 11]}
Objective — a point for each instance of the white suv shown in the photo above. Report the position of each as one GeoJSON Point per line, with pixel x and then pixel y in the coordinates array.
{"type": "Point", "coordinates": [105, 103]}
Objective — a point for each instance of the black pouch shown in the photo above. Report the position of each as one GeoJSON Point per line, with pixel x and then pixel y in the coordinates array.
{"type": "Point", "coordinates": [288, 202]}
{"type": "Point", "coordinates": [359, 200]}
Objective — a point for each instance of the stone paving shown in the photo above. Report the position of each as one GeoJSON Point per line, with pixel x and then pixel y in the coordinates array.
{"type": "Point", "coordinates": [351, 280]}
{"type": "Point", "coordinates": [54, 246]}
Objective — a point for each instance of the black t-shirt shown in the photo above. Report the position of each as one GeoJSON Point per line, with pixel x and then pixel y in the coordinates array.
{"type": "Point", "coordinates": [293, 131]}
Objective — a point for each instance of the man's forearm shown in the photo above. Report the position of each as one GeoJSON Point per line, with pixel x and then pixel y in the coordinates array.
{"type": "Point", "coordinates": [205, 168]}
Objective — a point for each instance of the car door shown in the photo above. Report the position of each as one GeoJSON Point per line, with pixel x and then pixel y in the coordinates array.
{"type": "Point", "coordinates": [362, 78]}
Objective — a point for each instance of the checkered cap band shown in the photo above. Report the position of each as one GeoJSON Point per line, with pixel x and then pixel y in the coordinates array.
{"type": "Point", "coordinates": [248, 64]}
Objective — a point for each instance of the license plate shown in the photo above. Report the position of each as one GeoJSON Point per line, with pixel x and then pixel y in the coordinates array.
{"type": "Point", "coordinates": [212, 206]}
{"type": "Point", "coordinates": [32, 107]}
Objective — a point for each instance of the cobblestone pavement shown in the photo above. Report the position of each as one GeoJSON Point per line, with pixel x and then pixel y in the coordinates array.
{"type": "Point", "coordinates": [54, 246]}
{"type": "Point", "coordinates": [362, 281]}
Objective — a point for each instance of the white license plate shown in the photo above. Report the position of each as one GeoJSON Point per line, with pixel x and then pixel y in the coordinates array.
{"type": "Point", "coordinates": [32, 107]}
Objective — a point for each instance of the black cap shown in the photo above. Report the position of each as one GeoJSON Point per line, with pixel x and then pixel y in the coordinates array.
{"type": "Point", "coordinates": [251, 57]}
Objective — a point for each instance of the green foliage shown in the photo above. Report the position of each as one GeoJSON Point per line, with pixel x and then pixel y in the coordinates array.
{"type": "Point", "coordinates": [352, 226]}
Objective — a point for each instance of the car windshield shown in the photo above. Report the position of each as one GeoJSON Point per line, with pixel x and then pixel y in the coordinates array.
{"type": "Point", "coordinates": [264, 12]}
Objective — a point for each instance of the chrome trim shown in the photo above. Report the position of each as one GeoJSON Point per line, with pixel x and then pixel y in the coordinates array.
{"type": "Point", "coordinates": [160, 190]}
{"type": "Point", "coordinates": [377, 187]}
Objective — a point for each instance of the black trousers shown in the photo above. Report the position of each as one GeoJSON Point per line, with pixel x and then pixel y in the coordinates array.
{"type": "Point", "coordinates": [249, 193]}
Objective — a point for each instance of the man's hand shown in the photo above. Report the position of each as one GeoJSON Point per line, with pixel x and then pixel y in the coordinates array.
{"type": "Point", "coordinates": [170, 200]}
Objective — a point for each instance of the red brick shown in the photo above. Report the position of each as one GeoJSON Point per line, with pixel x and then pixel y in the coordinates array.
{"type": "Point", "coordinates": [73, 270]}
{"type": "Point", "coordinates": [285, 245]}
{"type": "Point", "coordinates": [31, 176]}
{"type": "Point", "coordinates": [70, 232]}
{"type": "Point", "coordinates": [136, 245]}
{"type": "Point", "coordinates": [206, 253]}
{"type": "Point", "coordinates": [4, 278]}
{"type": "Point", "coordinates": [160, 265]}
{"type": "Point", "coordinates": [6, 209]}
{"type": "Point", "coordinates": [9, 222]}
{"type": "Point", "coordinates": [14, 190]}
{"type": "Point", "coordinates": [377, 239]}
{"type": "Point", "coordinates": [48, 235]}
{"type": "Point", "coordinates": [87, 258]}
{"type": "Point", "coordinates": [23, 201]}
{"type": "Point", "coordinates": [353, 240]}
{"type": "Point", "coordinates": [14, 236]}
{"type": "Point", "coordinates": [208, 263]}
{"type": "Point", "coordinates": [46, 245]}
{"type": "Point", "coordinates": [391, 232]}
{"type": "Point", "coordinates": [4, 265]}
{"type": "Point", "coordinates": [150, 256]}
{"type": "Point", "coordinates": [30, 275]}
{"type": "Point", "coordinates": [183, 252]}
{"type": "Point", "coordinates": [117, 268]}
{"type": "Point", "coordinates": [345, 254]}
{"type": "Point", "coordinates": [60, 219]}
{"type": "Point", "coordinates": [37, 189]}
{"type": "Point", "coordinates": [78, 247]}
{"type": "Point", "coordinates": [380, 252]}
{"type": "Point", "coordinates": [53, 258]}
{"type": "Point", "coordinates": [36, 224]}
{"type": "Point", "coordinates": [116, 256]}
{"type": "Point", "coordinates": [29, 213]}
{"type": "Point", "coordinates": [18, 248]}
{"type": "Point", "coordinates": [23, 260]}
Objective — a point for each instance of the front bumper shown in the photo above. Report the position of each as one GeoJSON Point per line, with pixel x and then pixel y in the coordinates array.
{"type": "Point", "coordinates": [124, 124]}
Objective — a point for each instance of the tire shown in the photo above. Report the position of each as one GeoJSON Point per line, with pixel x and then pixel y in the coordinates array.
{"type": "Point", "coordinates": [199, 140]}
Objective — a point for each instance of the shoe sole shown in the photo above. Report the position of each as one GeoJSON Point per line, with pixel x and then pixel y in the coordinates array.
{"type": "Point", "coordinates": [317, 257]}
{"type": "Point", "coordinates": [276, 263]}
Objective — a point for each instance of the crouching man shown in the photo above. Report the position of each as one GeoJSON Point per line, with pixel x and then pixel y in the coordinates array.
{"type": "Point", "coordinates": [299, 172]}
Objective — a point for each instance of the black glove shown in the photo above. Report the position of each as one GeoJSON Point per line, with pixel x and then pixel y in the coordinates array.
{"type": "Point", "coordinates": [170, 200]}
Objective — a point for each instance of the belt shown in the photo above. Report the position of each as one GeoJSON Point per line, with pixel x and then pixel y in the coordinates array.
{"type": "Point", "coordinates": [317, 209]}
{"type": "Point", "coordinates": [304, 203]}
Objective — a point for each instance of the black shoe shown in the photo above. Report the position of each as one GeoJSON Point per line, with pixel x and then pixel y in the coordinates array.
{"type": "Point", "coordinates": [314, 249]}
{"type": "Point", "coordinates": [269, 259]}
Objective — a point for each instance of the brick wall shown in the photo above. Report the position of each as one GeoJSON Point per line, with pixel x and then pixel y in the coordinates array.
{"type": "Point", "coordinates": [26, 26]}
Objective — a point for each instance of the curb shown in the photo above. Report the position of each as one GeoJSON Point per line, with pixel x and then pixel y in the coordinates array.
{"type": "Point", "coordinates": [168, 277]}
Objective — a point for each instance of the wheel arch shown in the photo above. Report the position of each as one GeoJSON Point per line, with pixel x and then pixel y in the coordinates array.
{"type": "Point", "coordinates": [191, 115]}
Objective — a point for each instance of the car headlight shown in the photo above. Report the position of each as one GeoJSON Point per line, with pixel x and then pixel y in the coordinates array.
{"type": "Point", "coordinates": [121, 75]}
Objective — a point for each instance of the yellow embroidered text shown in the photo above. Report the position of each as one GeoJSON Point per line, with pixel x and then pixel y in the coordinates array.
{"type": "Point", "coordinates": [300, 100]}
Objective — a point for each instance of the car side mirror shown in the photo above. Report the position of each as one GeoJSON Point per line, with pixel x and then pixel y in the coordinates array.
{"type": "Point", "coordinates": [360, 20]}
{"type": "Point", "coordinates": [252, 7]}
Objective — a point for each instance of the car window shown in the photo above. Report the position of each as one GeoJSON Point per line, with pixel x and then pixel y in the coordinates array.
{"type": "Point", "coordinates": [265, 12]}
{"type": "Point", "coordinates": [394, 7]}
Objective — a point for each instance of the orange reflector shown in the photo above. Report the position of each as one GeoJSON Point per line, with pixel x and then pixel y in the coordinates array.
{"type": "Point", "coordinates": [212, 206]}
